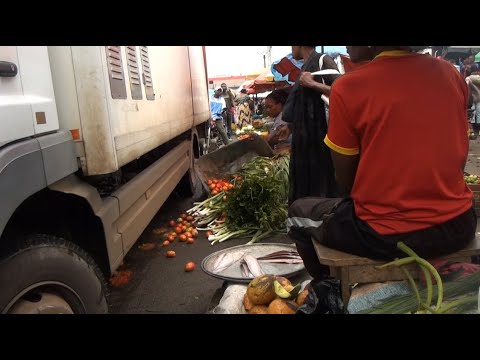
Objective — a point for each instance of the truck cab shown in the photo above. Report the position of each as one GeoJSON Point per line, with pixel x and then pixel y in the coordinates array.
{"type": "Point", "coordinates": [93, 140]}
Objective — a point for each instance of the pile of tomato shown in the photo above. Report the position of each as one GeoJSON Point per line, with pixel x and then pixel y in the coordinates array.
{"type": "Point", "coordinates": [183, 229]}
{"type": "Point", "coordinates": [217, 186]}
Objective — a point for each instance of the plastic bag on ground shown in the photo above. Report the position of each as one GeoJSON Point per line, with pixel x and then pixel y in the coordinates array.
{"type": "Point", "coordinates": [325, 298]}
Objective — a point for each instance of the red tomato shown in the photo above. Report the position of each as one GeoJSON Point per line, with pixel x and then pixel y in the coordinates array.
{"type": "Point", "coordinates": [187, 234]}
{"type": "Point", "coordinates": [171, 238]}
{"type": "Point", "coordinates": [190, 240]}
{"type": "Point", "coordinates": [190, 218]}
{"type": "Point", "coordinates": [189, 266]}
{"type": "Point", "coordinates": [171, 223]}
{"type": "Point", "coordinates": [166, 243]}
{"type": "Point", "coordinates": [178, 230]}
{"type": "Point", "coordinates": [183, 216]}
{"type": "Point", "coordinates": [170, 253]}
{"type": "Point", "coordinates": [183, 237]}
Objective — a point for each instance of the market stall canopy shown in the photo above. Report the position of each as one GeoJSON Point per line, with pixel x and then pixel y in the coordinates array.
{"type": "Point", "coordinates": [460, 52]}
{"type": "Point", "coordinates": [252, 75]}
{"type": "Point", "coordinates": [266, 82]}
{"type": "Point", "coordinates": [262, 83]}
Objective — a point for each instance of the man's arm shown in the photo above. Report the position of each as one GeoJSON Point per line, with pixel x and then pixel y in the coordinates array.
{"type": "Point", "coordinates": [342, 139]}
{"type": "Point", "coordinates": [345, 169]}
{"type": "Point", "coordinates": [307, 79]}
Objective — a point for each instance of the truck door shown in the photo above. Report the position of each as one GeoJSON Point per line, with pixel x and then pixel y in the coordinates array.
{"type": "Point", "coordinates": [15, 112]}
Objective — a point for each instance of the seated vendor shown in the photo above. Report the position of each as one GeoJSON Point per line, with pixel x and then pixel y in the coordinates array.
{"type": "Point", "coordinates": [274, 105]}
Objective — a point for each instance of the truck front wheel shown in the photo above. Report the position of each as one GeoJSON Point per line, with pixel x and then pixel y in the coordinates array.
{"type": "Point", "coordinates": [47, 274]}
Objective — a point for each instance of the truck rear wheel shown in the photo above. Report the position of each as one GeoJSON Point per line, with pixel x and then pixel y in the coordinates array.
{"type": "Point", "coordinates": [47, 274]}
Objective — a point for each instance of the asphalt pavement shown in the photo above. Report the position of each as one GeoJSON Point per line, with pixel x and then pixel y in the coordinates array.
{"type": "Point", "coordinates": [159, 284]}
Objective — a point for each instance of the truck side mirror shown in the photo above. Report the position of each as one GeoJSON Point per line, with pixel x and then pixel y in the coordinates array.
{"type": "Point", "coordinates": [8, 69]}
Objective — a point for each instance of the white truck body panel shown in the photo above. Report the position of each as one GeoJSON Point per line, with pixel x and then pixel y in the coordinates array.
{"type": "Point", "coordinates": [27, 103]}
{"type": "Point", "coordinates": [114, 132]}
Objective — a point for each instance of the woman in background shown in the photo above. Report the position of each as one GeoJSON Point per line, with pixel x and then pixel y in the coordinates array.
{"type": "Point", "coordinates": [244, 109]}
{"type": "Point", "coordinates": [274, 106]}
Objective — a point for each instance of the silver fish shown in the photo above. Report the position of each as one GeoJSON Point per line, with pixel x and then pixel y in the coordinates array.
{"type": "Point", "coordinates": [226, 261]}
{"type": "Point", "coordinates": [253, 265]}
{"type": "Point", "coordinates": [245, 271]}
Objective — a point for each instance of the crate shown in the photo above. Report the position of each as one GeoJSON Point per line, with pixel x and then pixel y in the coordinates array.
{"type": "Point", "coordinates": [476, 197]}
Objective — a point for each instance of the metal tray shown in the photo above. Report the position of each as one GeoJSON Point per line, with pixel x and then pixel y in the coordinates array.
{"type": "Point", "coordinates": [233, 272]}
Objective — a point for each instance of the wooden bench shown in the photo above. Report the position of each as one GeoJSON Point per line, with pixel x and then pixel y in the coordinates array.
{"type": "Point", "coordinates": [351, 269]}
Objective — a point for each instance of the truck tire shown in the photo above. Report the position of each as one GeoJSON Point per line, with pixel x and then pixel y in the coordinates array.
{"type": "Point", "coordinates": [47, 274]}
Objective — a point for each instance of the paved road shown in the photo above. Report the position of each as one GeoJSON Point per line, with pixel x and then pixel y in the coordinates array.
{"type": "Point", "coordinates": [159, 284]}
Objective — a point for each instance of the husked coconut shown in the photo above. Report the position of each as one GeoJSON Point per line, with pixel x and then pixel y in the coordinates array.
{"type": "Point", "coordinates": [260, 291]}
{"type": "Point", "coordinates": [280, 306]}
{"type": "Point", "coordinates": [259, 309]}
{"type": "Point", "coordinates": [284, 282]}
{"type": "Point", "coordinates": [301, 297]}
{"type": "Point", "coordinates": [247, 304]}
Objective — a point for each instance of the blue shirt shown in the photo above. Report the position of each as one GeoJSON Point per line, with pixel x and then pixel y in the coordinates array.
{"type": "Point", "coordinates": [216, 107]}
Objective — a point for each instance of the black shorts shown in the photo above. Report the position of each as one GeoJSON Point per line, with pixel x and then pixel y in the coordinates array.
{"type": "Point", "coordinates": [340, 228]}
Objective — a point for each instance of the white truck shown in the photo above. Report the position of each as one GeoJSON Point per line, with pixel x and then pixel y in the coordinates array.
{"type": "Point", "coordinates": [92, 142]}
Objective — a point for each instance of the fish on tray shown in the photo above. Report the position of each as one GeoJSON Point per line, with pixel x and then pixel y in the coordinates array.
{"type": "Point", "coordinates": [226, 260]}
{"type": "Point", "coordinates": [250, 265]}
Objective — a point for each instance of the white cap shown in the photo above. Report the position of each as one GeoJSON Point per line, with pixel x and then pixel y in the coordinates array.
{"type": "Point", "coordinates": [218, 88]}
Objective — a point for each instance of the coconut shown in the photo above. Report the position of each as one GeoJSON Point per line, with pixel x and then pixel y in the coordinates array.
{"type": "Point", "coordinates": [259, 309]}
{"type": "Point", "coordinates": [247, 304]}
{"type": "Point", "coordinates": [280, 306]}
{"type": "Point", "coordinates": [287, 285]}
{"type": "Point", "coordinates": [302, 297]}
{"type": "Point", "coordinates": [260, 291]}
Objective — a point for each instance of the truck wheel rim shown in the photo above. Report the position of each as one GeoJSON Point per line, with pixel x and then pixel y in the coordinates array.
{"type": "Point", "coordinates": [45, 298]}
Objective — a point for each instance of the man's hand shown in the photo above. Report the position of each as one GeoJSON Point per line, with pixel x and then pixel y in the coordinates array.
{"type": "Point", "coordinates": [307, 80]}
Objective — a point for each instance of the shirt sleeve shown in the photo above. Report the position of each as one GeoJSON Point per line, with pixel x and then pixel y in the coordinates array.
{"type": "Point", "coordinates": [341, 136]}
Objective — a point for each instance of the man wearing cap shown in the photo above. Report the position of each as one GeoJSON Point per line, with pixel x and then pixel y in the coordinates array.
{"type": "Point", "coordinates": [409, 191]}
{"type": "Point", "coordinates": [217, 105]}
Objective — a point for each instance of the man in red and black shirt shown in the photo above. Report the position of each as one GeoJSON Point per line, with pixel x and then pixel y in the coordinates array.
{"type": "Point", "coordinates": [405, 183]}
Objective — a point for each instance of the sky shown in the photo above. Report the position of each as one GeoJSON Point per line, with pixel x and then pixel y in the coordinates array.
{"type": "Point", "coordinates": [242, 60]}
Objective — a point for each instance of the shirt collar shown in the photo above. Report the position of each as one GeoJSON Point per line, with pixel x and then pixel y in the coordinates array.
{"type": "Point", "coordinates": [391, 53]}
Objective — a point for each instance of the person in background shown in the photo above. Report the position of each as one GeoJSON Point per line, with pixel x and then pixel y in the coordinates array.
{"type": "Point", "coordinates": [244, 108]}
{"type": "Point", "coordinates": [466, 62]}
{"type": "Point", "coordinates": [274, 103]}
{"type": "Point", "coordinates": [414, 191]}
{"type": "Point", "coordinates": [311, 167]}
{"type": "Point", "coordinates": [473, 82]}
{"type": "Point", "coordinates": [229, 98]}
{"type": "Point", "coordinates": [217, 106]}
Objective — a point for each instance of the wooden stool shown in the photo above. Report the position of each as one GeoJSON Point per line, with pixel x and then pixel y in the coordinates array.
{"type": "Point", "coordinates": [351, 269]}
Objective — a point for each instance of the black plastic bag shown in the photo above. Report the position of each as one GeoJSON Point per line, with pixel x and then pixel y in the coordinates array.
{"type": "Point", "coordinates": [325, 298]}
